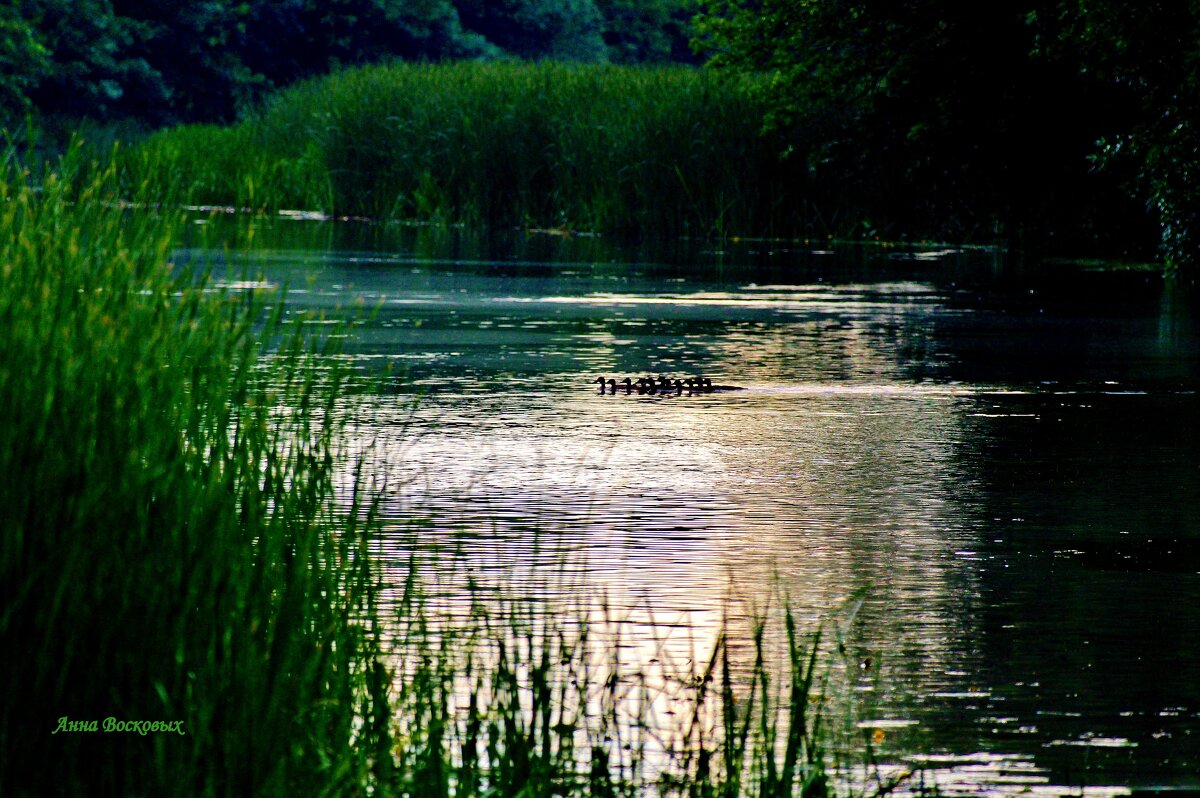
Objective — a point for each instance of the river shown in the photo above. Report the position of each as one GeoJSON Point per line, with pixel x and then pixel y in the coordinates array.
{"type": "Point", "coordinates": [1001, 464]}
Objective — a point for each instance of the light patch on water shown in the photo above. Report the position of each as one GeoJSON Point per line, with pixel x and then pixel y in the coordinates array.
{"type": "Point", "coordinates": [963, 694]}
{"type": "Point", "coordinates": [897, 288]}
{"type": "Point", "coordinates": [880, 389]}
{"type": "Point", "coordinates": [993, 775]}
{"type": "Point", "coordinates": [814, 300]}
{"type": "Point", "coordinates": [927, 255]}
{"type": "Point", "coordinates": [1004, 415]}
{"type": "Point", "coordinates": [1095, 742]}
{"type": "Point", "coordinates": [243, 285]}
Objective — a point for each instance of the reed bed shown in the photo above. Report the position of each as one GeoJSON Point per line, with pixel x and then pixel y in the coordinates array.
{"type": "Point", "coordinates": [171, 551]}
{"type": "Point", "coordinates": [630, 150]}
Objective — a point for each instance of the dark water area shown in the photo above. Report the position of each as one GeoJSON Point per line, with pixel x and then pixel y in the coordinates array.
{"type": "Point", "coordinates": [1002, 463]}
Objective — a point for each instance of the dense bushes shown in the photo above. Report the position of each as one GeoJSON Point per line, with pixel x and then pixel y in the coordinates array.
{"type": "Point", "coordinates": [1068, 127]}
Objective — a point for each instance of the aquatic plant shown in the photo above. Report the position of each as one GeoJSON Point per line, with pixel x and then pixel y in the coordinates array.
{"type": "Point", "coordinates": [171, 551]}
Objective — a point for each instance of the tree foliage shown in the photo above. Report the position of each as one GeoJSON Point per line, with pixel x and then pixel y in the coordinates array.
{"type": "Point", "coordinates": [162, 61]}
{"type": "Point", "coordinates": [985, 115]}
{"type": "Point", "coordinates": [1149, 57]}
{"type": "Point", "coordinates": [89, 69]}
{"type": "Point", "coordinates": [24, 61]}
{"type": "Point", "coordinates": [640, 31]}
{"type": "Point", "coordinates": [567, 30]}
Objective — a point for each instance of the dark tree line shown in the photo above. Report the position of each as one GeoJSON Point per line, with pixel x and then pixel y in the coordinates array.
{"type": "Point", "coordinates": [1041, 118]}
{"type": "Point", "coordinates": [1057, 124]}
{"type": "Point", "coordinates": [163, 61]}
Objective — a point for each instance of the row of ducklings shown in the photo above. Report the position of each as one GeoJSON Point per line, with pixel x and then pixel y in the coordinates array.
{"type": "Point", "coordinates": [649, 386]}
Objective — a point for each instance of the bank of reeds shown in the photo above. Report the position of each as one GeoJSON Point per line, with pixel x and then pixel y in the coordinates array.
{"type": "Point", "coordinates": [171, 552]}
{"type": "Point", "coordinates": [646, 151]}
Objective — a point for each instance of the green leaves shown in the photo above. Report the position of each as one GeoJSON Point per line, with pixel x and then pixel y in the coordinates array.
{"type": "Point", "coordinates": [1150, 65]}
{"type": "Point", "coordinates": [567, 30]}
{"type": "Point", "coordinates": [24, 62]}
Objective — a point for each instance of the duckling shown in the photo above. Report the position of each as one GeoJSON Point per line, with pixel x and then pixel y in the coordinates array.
{"type": "Point", "coordinates": [600, 380]}
{"type": "Point", "coordinates": [708, 387]}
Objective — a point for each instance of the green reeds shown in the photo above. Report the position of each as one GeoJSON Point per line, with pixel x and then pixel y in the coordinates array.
{"type": "Point", "coordinates": [236, 167]}
{"type": "Point", "coordinates": [498, 694]}
{"type": "Point", "coordinates": [171, 548]}
{"type": "Point", "coordinates": [634, 150]}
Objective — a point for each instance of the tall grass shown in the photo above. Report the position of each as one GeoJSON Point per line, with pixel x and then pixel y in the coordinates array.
{"type": "Point", "coordinates": [171, 551]}
{"type": "Point", "coordinates": [649, 151]}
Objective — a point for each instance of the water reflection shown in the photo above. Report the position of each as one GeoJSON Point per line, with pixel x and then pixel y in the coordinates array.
{"type": "Point", "coordinates": [1007, 476]}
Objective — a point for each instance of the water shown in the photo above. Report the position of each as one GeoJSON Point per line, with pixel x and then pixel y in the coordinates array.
{"type": "Point", "coordinates": [1004, 467]}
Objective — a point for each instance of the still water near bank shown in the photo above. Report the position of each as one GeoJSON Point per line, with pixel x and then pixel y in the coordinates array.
{"type": "Point", "coordinates": [1004, 466]}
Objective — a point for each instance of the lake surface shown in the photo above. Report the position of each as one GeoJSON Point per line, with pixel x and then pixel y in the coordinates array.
{"type": "Point", "coordinates": [1002, 466]}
